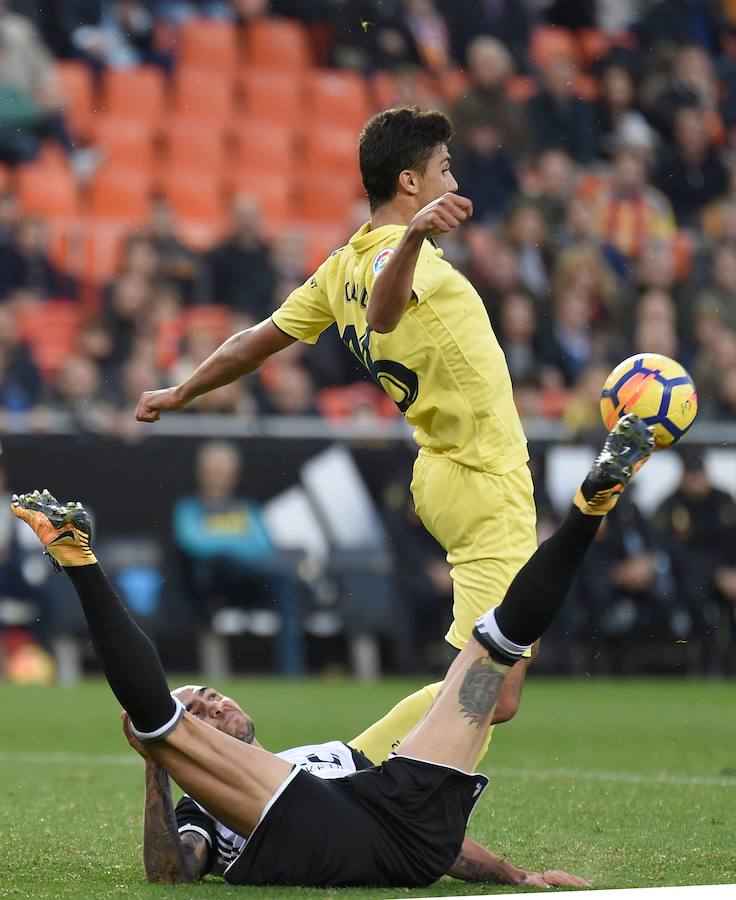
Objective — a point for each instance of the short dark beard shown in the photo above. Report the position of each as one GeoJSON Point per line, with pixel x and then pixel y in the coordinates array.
{"type": "Point", "coordinates": [248, 735]}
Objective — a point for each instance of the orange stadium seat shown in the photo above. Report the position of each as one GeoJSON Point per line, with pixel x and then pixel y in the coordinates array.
{"type": "Point", "coordinates": [208, 45]}
{"type": "Point", "coordinates": [332, 150]}
{"type": "Point", "coordinates": [194, 194]}
{"type": "Point", "coordinates": [327, 198]}
{"type": "Point", "coordinates": [200, 234]}
{"type": "Point", "coordinates": [273, 191]}
{"type": "Point", "coordinates": [322, 240]}
{"type": "Point", "coordinates": [202, 96]}
{"type": "Point", "coordinates": [281, 44]}
{"type": "Point", "coordinates": [273, 97]}
{"type": "Point", "coordinates": [586, 87]}
{"type": "Point", "coordinates": [188, 145]}
{"type": "Point", "coordinates": [101, 249]}
{"type": "Point", "coordinates": [75, 82]}
{"type": "Point", "coordinates": [134, 94]}
{"type": "Point", "coordinates": [453, 83]}
{"type": "Point", "coordinates": [336, 97]}
{"type": "Point", "coordinates": [50, 330]}
{"type": "Point", "coordinates": [594, 45]}
{"type": "Point", "coordinates": [47, 189]}
{"type": "Point", "coordinates": [521, 88]}
{"type": "Point", "coordinates": [4, 177]}
{"type": "Point", "coordinates": [124, 142]}
{"type": "Point", "coordinates": [210, 317]}
{"type": "Point", "coordinates": [120, 194]}
{"type": "Point", "coordinates": [263, 146]}
{"type": "Point", "coordinates": [383, 88]}
{"type": "Point", "coordinates": [550, 43]}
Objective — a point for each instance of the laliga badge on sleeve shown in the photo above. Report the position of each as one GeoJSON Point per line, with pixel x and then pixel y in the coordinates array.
{"type": "Point", "coordinates": [379, 263]}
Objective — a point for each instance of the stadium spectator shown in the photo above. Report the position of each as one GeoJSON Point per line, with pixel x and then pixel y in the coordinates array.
{"type": "Point", "coordinates": [239, 271]}
{"type": "Point", "coordinates": [78, 391]}
{"type": "Point", "coordinates": [720, 292]}
{"type": "Point", "coordinates": [117, 35]}
{"type": "Point", "coordinates": [228, 559]}
{"type": "Point", "coordinates": [527, 232]}
{"type": "Point", "coordinates": [567, 345]}
{"type": "Point", "coordinates": [582, 415]}
{"type": "Point", "coordinates": [693, 82]}
{"type": "Point", "coordinates": [584, 266]}
{"type": "Point", "coordinates": [615, 111]}
{"type": "Point", "coordinates": [421, 573]}
{"type": "Point", "coordinates": [690, 172]}
{"type": "Point", "coordinates": [487, 172]}
{"type": "Point", "coordinates": [629, 212]}
{"type": "Point", "coordinates": [676, 23]}
{"type": "Point", "coordinates": [176, 263]}
{"type": "Point", "coordinates": [429, 33]}
{"type": "Point", "coordinates": [558, 117]}
{"type": "Point", "coordinates": [697, 526]}
{"type": "Point", "coordinates": [492, 265]}
{"type": "Point", "coordinates": [486, 100]}
{"type": "Point", "coordinates": [179, 11]}
{"type": "Point", "coordinates": [550, 185]}
{"type": "Point", "coordinates": [126, 308]}
{"type": "Point", "coordinates": [518, 334]}
{"type": "Point", "coordinates": [623, 593]}
{"type": "Point", "coordinates": [25, 265]}
{"type": "Point", "coordinates": [20, 381]}
{"type": "Point", "coordinates": [25, 601]}
{"type": "Point", "coordinates": [713, 359]}
{"type": "Point", "coordinates": [505, 20]}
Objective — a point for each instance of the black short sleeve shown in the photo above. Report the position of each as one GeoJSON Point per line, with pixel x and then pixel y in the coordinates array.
{"type": "Point", "coordinates": [189, 817]}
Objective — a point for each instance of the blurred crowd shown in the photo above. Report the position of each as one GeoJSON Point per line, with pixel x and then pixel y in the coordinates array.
{"type": "Point", "coordinates": [595, 140]}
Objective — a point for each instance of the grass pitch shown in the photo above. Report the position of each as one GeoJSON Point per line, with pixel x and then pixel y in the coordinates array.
{"type": "Point", "coordinates": [627, 783]}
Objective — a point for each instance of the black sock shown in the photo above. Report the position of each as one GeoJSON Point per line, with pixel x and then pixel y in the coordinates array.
{"type": "Point", "coordinates": [540, 587]}
{"type": "Point", "coordinates": [129, 659]}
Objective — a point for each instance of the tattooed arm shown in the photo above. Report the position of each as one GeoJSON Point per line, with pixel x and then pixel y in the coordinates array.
{"type": "Point", "coordinates": [476, 863]}
{"type": "Point", "coordinates": [168, 858]}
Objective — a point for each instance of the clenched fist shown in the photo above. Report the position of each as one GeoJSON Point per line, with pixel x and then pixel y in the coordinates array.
{"type": "Point", "coordinates": [441, 215]}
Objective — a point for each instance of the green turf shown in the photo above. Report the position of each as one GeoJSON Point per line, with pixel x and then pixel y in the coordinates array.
{"type": "Point", "coordinates": [577, 784]}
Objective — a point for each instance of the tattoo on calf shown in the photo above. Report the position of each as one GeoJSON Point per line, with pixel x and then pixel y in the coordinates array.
{"type": "Point", "coordinates": [479, 690]}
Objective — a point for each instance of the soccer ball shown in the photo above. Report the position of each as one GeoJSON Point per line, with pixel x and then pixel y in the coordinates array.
{"type": "Point", "coordinates": [655, 388]}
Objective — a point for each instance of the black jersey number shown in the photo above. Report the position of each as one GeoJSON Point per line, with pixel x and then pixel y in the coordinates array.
{"type": "Point", "coordinates": [400, 383]}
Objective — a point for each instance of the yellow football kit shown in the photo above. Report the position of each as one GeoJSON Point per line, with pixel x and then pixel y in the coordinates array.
{"type": "Point", "coordinates": [444, 368]}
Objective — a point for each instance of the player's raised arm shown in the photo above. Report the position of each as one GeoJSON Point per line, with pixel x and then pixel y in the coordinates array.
{"type": "Point", "coordinates": [392, 290]}
{"type": "Point", "coordinates": [239, 355]}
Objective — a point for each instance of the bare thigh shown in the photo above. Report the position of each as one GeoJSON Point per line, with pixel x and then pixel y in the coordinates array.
{"type": "Point", "coordinates": [233, 780]}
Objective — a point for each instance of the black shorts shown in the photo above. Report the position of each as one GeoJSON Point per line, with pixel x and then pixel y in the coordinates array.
{"type": "Point", "coordinates": [400, 824]}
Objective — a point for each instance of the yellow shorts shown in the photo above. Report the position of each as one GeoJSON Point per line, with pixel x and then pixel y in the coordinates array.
{"type": "Point", "coordinates": [487, 525]}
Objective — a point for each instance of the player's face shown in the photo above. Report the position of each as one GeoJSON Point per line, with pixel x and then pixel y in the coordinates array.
{"type": "Point", "coordinates": [437, 179]}
{"type": "Point", "coordinates": [213, 708]}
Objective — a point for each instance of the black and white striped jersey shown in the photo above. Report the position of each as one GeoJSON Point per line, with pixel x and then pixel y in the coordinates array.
{"type": "Point", "coordinates": [333, 759]}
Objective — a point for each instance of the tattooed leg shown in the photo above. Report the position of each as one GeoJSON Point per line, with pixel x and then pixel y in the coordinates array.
{"type": "Point", "coordinates": [453, 731]}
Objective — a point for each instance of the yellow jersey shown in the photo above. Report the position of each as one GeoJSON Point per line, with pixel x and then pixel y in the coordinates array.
{"type": "Point", "coordinates": [442, 364]}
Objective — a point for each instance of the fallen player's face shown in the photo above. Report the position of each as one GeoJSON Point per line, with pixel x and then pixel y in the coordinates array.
{"type": "Point", "coordinates": [217, 710]}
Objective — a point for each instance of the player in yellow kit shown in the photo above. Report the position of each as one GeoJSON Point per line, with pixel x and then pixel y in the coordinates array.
{"type": "Point", "coordinates": [422, 331]}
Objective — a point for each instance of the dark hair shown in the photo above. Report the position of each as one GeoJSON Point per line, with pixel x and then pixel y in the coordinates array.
{"type": "Point", "coordinates": [394, 140]}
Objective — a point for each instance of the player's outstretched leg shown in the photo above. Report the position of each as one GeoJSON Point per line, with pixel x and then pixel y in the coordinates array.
{"type": "Point", "coordinates": [128, 658]}
{"type": "Point", "coordinates": [538, 591]}
{"type": "Point", "coordinates": [234, 780]}
{"type": "Point", "coordinates": [454, 728]}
